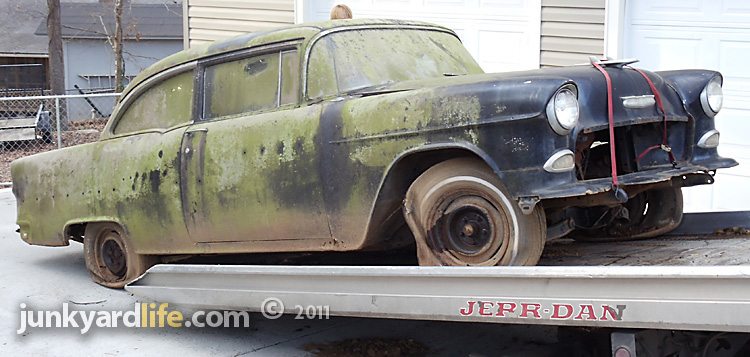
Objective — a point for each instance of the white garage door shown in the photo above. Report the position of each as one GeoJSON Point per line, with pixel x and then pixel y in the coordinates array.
{"type": "Point", "coordinates": [503, 35]}
{"type": "Point", "coordinates": [712, 34]}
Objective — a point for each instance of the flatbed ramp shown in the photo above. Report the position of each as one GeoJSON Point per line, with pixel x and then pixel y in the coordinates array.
{"type": "Point", "coordinates": [710, 298]}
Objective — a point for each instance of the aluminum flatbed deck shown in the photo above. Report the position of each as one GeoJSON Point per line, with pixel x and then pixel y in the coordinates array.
{"type": "Point", "coordinates": [698, 283]}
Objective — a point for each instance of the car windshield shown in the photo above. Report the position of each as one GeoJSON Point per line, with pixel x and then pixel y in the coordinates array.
{"type": "Point", "coordinates": [371, 57]}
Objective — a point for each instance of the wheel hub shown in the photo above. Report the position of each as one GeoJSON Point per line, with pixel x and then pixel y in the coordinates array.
{"type": "Point", "coordinates": [469, 229]}
{"type": "Point", "coordinates": [114, 257]}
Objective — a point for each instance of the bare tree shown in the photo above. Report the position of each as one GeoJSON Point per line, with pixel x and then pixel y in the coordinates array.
{"type": "Point", "coordinates": [54, 33]}
{"type": "Point", "coordinates": [117, 47]}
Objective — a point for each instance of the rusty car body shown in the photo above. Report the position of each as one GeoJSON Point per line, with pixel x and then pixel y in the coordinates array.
{"type": "Point", "coordinates": [371, 134]}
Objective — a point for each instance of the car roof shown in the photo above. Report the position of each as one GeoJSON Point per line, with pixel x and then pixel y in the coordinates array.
{"type": "Point", "coordinates": [302, 32]}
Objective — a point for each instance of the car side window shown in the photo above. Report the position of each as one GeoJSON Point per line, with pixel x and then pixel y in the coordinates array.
{"type": "Point", "coordinates": [162, 106]}
{"type": "Point", "coordinates": [241, 86]}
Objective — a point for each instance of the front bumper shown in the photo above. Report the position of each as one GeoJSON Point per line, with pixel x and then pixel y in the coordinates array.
{"type": "Point", "coordinates": [595, 186]}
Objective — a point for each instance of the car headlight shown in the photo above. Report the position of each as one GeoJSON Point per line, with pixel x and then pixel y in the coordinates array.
{"type": "Point", "coordinates": [712, 97]}
{"type": "Point", "coordinates": [562, 110]}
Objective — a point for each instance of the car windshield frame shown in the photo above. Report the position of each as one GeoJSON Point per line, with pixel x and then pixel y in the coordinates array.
{"type": "Point", "coordinates": [357, 66]}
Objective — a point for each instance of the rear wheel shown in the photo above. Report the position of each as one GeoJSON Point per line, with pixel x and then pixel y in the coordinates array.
{"type": "Point", "coordinates": [110, 258]}
{"type": "Point", "coordinates": [461, 214]}
{"type": "Point", "coordinates": [647, 215]}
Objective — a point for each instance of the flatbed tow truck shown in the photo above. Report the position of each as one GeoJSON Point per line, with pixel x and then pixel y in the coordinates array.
{"type": "Point", "coordinates": [682, 295]}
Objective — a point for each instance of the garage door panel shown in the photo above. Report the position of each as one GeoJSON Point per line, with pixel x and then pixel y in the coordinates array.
{"type": "Point", "coordinates": [730, 192]}
{"type": "Point", "coordinates": [502, 55]}
{"type": "Point", "coordinates": [672, 8]}
{"type": "Point", "coordinates": [503, 35]}
{"type": "Point", "coordinates": [698, 198]}
{"type": "Point", "coordinates": [734, 126]}
{"type": "Point", "coordinates": [736, 8]}
{"type": "Point", "coordinates": [703, 34]}
{"type": "Point", "coordinates": [519, 5]}
{"type": "Point", "coordinates": [699, 13]}
{"type": "Point", "coordinates": [733, 57]}
{"type": "Point", "coordinates": [660, 50]}
{"type": "Point", "coordinates": [454, 3]}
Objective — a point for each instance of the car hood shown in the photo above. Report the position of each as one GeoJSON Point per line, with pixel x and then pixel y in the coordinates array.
{"type": "Point", "coordinates": [592, 91]}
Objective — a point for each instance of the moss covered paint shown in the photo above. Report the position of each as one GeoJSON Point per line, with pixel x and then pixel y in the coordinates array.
{"type": "Point", "coordinates": [263, 173]}
{"type": "Point", "coordinates": [124, 181]}
{"type": "Point", "coordinates": [284, 179]}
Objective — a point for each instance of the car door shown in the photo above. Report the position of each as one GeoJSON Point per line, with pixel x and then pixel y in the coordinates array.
{"type": "Point", "coordinates": [137, 168]}
{"type": "Point", "coordinates": [250, 166]}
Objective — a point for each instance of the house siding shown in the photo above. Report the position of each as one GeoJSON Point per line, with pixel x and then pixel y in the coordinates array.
{"type": "Point", "coordinates": [572, 30]}
{"type": "Point", "coordinates": [211, 20]}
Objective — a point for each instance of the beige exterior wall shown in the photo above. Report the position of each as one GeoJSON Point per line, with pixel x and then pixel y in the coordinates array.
{"type": "Point", "coordinates": [572, 30]}
{"type": "Point", "coordinates": [210, 20]}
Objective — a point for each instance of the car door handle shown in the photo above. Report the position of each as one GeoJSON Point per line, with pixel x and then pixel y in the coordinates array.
{"type": "Point", "coordinates": [205, 130]}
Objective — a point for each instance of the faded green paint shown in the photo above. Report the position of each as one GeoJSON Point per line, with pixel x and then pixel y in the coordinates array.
{"type": "Point", "coordinates": [255, 178]}
{"type": "Point", "coordinates": [68, 186]}
{"type": "Point", "coordinates": [393, 113]}
{"type": "Point", "coordinates": [262, 176]}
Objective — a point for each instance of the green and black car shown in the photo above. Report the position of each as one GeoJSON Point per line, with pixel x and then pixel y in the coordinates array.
{"type": "Point", "coordinates": [371, 134]}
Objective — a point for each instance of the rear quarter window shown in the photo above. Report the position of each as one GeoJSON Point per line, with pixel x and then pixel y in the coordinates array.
{"type": "Point", "coordinates": [164, 105]}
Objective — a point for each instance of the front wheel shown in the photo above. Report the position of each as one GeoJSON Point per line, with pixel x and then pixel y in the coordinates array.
{"type": "Point", "coordinates": [110, 257]}
{"type": "Point", "coordinates": [462, 215]}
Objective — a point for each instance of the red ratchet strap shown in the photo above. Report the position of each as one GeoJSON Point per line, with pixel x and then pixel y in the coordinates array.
{"type": "Point", "coordinates": [664, 146]}
{"type": "Point", "coordinates": [610, 115]}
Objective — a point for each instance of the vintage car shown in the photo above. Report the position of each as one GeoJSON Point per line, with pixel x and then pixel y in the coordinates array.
{"type": "Point", "coordinates": [371, 135]}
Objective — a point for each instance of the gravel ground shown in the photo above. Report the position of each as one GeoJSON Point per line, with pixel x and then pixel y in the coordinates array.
{"type": "Point", "coordinates": [80, 132]}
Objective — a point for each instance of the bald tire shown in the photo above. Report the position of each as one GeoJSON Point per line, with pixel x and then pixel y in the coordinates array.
{"type": "Point", "coordinates": [110, 258]}
{"type": "Point", "coordinates": [462, 215]}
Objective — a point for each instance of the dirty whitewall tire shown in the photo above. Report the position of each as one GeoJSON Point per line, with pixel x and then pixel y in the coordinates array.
{"type": "Point", "coordinates": [110, 258]}
{"type": "Point", "coordinates": [462, 215]}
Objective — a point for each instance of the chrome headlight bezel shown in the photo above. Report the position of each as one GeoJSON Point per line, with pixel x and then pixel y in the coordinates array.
{"type": "Point", "coordinates": [563, 125]}
{"type": "Point", "coordinates": [710, 92]}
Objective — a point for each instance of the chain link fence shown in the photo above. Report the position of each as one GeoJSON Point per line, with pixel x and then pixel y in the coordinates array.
{"type": "Point", "coordinates": [34, 124]}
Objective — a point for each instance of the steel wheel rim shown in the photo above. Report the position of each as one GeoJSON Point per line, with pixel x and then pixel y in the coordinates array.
{"type": "Point", "coordinates": [484, 251]}
{"type": "Point", "coordinates": [113, 255]}
{"type": "Point", "coordinates": [469, 230]}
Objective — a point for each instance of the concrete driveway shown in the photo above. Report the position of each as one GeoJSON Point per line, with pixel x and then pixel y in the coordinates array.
{"type": "Point", "coordinates": [45, 278]}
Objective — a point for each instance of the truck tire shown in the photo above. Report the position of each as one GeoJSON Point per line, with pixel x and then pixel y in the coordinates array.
{"type": "Point", "coordinates": [650, 214]}
{"type": "Point", "coordinates": [110, 258]}
{"type": "Point", "coordinates": [462, 215]}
